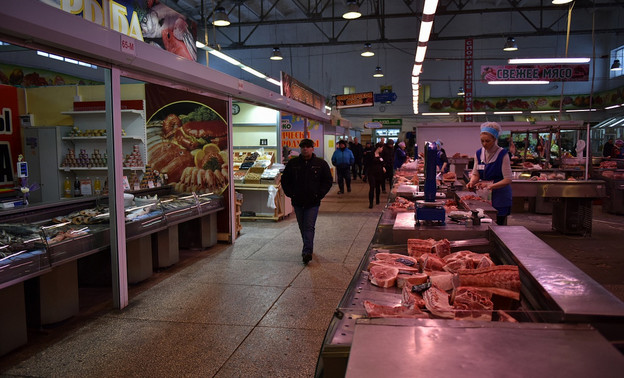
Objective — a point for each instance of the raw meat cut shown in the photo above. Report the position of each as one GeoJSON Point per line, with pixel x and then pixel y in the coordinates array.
{"type": "Point", "coordinates": [383, 275]}
{"type": "Point", "coordinates": [442, 247]}
{"type": "Point", "coordinates": [416, 247]}
{"type": "Point", "coordinates": [472, 304]}
{"type": "Point", "coordinates": [414, 279]}
{"type": "Point", "coordinates": [437, 301]}
{"type": "Point", "coordinates": [397, 264]}
{"type": "Point", "coordinates": [403, 259]}
{"type": "Point", "coordinates": [505, 317]}
{"type": "Point", "coordinates": [442, 279]}
{"type": "Point", "coordinates": [502, 276]}
{"type": "Point", "coordinates": [410, 298]}
{"type": "Point", "coordinates": [429, 261]}
{"type": "Point", "coordinates": [375, 310]}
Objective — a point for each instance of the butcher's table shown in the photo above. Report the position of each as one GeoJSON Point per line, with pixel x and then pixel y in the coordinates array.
{"type": "Point", "coordinates": [405, 228]}
{"type": "Point", "coordinates": [434, 348]}
{"type": "Point", "coordinates": [571, 201]}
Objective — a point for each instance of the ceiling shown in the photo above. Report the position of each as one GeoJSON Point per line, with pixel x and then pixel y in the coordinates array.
{"type": "Point", "coordinates": [253, 22]}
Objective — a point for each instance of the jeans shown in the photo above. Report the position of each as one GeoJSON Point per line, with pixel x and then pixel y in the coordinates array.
{"type": "Point", "coordinates": [306, 218]}
{"type": "Point", "coordinates": [343, 173]}
{"type": "Point", "coordinates": [356, 169]}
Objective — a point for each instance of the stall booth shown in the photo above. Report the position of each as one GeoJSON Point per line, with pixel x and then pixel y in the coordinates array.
{"type": "Point", "coordinates": [114, 165]}
{"type": "Point", "coordinates": [609, 168]}
{"type": "Point", "coordinates": [458, 294]}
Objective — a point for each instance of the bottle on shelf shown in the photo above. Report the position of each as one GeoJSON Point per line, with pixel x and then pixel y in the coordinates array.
{"type": "Point", "coordinates": [77, 188]}
{"type": "Point", "coordinates": [67, 188]}
{"type": "Point", "coordinates": [97, 186]}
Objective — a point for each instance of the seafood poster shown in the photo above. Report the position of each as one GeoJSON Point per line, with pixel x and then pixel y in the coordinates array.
{"type": "Point", "coordinates": [10, 139]}
{"type": "Point", "coordinates": [187, 139]}
{"type": "Point", "coordinates": [146, 20]}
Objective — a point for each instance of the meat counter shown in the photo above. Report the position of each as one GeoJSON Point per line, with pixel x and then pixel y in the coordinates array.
{"type": "Point", "coordinates": [553, 293]}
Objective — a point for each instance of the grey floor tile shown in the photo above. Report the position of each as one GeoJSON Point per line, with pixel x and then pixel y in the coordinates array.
{"type": "Point", "coordinates": [303, 308]}
{"type": "Point", "coordinates": [325, 275]}
{"type": "Point", "coordinates": [275, 352]}
{"type": "Point", "coordinates": [113, 347]}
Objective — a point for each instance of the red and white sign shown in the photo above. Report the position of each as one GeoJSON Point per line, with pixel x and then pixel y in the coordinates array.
{"type": "Point", "coordinates": [548, 72]}
{"type": "Point", "coordinates": [468, 76]}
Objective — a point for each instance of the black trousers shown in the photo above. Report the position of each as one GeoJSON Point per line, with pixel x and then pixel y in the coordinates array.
{"type": "Point", "coordinates": [343, 174]}
{"type": "Point", "coordinates": [374, 188]}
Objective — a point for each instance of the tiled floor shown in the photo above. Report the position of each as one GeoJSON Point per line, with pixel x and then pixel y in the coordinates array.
{"type": "Point", "coordinates": [252, 309]}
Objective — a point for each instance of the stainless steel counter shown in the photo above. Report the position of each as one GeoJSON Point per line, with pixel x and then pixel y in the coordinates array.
{"type": "Point", "coordinates": [558, 188]}
{"type": "Point", "coordinates": [433, 348]}
{"type": "Point", "coordinates": [405, 228]}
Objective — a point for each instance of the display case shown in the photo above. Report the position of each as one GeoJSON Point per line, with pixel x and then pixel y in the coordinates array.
{"type": "Point", "coordinates": [23, 253]}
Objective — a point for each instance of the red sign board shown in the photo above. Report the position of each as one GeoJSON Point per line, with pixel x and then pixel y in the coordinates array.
{"type": "Point", "coordinates": [354, 100]}
{"type": "Point", "coordinates": [548, 72]}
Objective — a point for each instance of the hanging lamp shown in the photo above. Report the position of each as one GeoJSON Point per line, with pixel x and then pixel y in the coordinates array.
{"type": "Point", "coordinates": [460, 91]}
{"type": "Point", "coordinates": [277, 55]}
{"type": "Point", "coordinates": [368, 51]}
{"type": "Point", "coordinates": [510, 45]}
{"type": "Point", "coordinates": [220, 18]}
{"type": "Point", "coordinates": [378, 72]}
{"type": "Point", "coordinates": [353, 11]}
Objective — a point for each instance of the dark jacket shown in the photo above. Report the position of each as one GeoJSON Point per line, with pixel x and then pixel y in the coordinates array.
{"type": "Point", "coordinates": [387, 154]}
{"type": "Point", "coordinates": [358, 152]}
{"type": "Point", "coordinates": [306, 182]}
{"type": "Point", "coordinates": [375, 168]}
{"type": "Point", "coordinates": [367, 155]}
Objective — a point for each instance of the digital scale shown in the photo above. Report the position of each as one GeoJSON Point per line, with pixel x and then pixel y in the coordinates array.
{"type": "Point", "coordinates": [429, 210]}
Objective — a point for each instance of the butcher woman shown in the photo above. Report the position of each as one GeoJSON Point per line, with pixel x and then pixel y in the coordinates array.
{"type": "Point", "coordinates": [493, 167]}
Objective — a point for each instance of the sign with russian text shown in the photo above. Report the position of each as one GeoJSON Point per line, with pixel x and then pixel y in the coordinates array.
{"type": "Point", "coordinates": [145, 20]}
{"type": "Point", "coordinates": [354, 100]}
{"type": "Point", "coordinates": [468, 77]}
{"type": "Point", "coordinates": [296, 90]}
{"type": "Point", "coordinates": [548, 72]}
{"type": "Point", "coordinates": [389, 121]}
{"type": "Point", "coordinates": [293, 131]}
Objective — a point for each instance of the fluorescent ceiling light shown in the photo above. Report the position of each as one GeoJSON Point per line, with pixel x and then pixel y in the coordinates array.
{"type": "Point", "coordinates": [430, 6]}
{"type": "Point", "coordinates": [612, 107]}
{"type": "Point", "coordinates": [417, 69]}
{"type": "Point", "coordinates": [548, 60]}
{"type": "Point", "coordinates": [415, 79]}
{"type": "Point", "coordinates": [273, 81]}
{"type": "Point", "coordinates": [559, 2]}
{"type": "Point", "coordinates": [470, 113]}
{"type": "Point", "coordinates": [253, 72]}
{"type": "Point", "coordinates": [436, 114]}
{"type": "Point", "coordinates": [425, 31]}
{"type": "Point", "coordinates": [199, 45]}
{"type": "Point", "coordinates": [544, 111]}
{"type": "Point", "coordinates": [514, 112]}
{"type": "Point", "coordinates": [520, 82]}
{"type": "Point", "coordinates": [580, 110]}
{"type": "Point", "coordinates": [420, 53]}
{"type": "Point", "coordinates": [221, 55]}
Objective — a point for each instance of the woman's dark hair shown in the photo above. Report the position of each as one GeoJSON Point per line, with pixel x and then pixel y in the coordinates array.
{"type": "Point", "coordinates": [379, 145]}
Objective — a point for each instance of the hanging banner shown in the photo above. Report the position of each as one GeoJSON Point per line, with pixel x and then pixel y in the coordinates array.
{"type": "Point", "coordinates": [354, 100]}
{"type": "Point", "coordinates": [468, 76]}
{"type": "Point", "coordinates": [315, 132]}
{"type": "Point", "coordinates": [293, 130]}
{"type": "Point", "coordinates": [294, 89]}
{"type": "Point", "coordinates": [548, 72]}
{"type": "Point", "coordinates": [145, 20]}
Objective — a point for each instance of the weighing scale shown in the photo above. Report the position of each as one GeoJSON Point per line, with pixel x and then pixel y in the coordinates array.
{"type": "Point", "coordinates": [429, 210]}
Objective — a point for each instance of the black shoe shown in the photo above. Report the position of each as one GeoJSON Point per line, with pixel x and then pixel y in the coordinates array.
{"type": "Point", "coordinates": [383, 191]}
{"type": "Point", "coordinates": [349, 190]}
{"type": "Point", "coordinates": [370, 206]}
{"type": "Point", "coordinates": [340, 192]}
{"type": "Point", "coordinates": [306, 257]}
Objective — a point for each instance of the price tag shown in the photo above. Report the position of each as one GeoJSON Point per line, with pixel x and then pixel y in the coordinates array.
{"type": "Point", "coordinates": [128, 45]}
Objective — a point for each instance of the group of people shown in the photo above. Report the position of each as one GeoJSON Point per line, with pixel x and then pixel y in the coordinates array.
{"type": "Point", "coordinates": [613, 150]}
{"type": "Point", "coordinates": [307, 179]}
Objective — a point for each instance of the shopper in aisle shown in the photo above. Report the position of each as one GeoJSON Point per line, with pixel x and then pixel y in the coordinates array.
{"type": "Point", "coordinates": [367, 155]}
{"type": "Point", "coordinates": [442, 160]}
{"type": "Point", "coordinates": [400, 156]}
{"type": "Point", "coordinates": [358, 151]}
{"type": "Point", "coordinates": [375, 174]}
{"type": "Point", "coordinates": [493, 167]}
{"type": "Point", "coordinates": [388, 157]}
{"type": "Point", "coordinates": [343, 159]}
{"type": "Point", "coordinates": [410, 137]}
{"type": "Point", "coordinates": [306, 180]}
{"type": "Point", "coordinates": [607, 149]}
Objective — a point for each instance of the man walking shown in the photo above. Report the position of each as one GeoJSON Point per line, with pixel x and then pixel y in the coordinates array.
{"type": "Point", "coordinates": [306, 180]}
{"type": "Point", "coordinates": [358, 153]}
{"type": "Point", "coordinates": [343, 159]}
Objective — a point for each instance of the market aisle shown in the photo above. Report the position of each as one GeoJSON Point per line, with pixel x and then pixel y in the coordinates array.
{"type": "Point", "coordinates": [249, 309]}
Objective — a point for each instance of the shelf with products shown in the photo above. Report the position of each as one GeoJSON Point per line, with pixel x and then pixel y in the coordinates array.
{"type": "Point", "coordinates": [83, 149]}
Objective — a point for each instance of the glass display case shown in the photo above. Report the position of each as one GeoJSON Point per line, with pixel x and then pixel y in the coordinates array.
{"type": "Point", "coordinates": [23, 253]}
{"type": "Point", "coordinates": [179, 208]}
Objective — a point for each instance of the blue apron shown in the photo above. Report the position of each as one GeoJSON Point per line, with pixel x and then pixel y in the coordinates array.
{"type": "Point", "coordinates": [493, 171]}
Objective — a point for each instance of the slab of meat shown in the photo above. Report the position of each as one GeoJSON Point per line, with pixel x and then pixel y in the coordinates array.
{"type": "Point", "coordinates": [466, 260]}
{"type": "Point", "coordinates": [442, 247]}
{"type": "Point", "coordinates": [485, 262]}
{"type": "Point", "coordinates": [442, 279]}
{"type": "Point", "coordinates": [472, 304]}
{"type": "Point", "coordinates": [437, 301]}
{"type": "Point", "coordinates": [383, 275]}
{"type": "Point", "coordinates": [429, 261]}
{"type": "Point", "coordinates": [403, 259]}
{"type": "Point", "coordinates": [411, 298]}
{"type": "Point", "coordinates": [375, 310]}
{"type": "Point", "coordinates": [397, 264]}
{"type": "Point", "coordinates": [413, 279]}
{"type": "Point", "coordinates": [505, 278]}
{"type": "Point", "coordinates": [416, 247]}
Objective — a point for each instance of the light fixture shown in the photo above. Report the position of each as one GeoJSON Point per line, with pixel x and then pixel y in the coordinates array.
{"type": "Point", "coordinates": [547, 60]}
{"type": "Point", "coordinates": [559, 2]}
{"type": "Point", "coordinates": [616, 65]}
{"type": "Point", "coordinates": [220, 18]}
{"type": "Point", "coordinates": [378, 72]}
{"type": "Point", "coordinates": [510, 45]}
{"type": "Point", "coordinates": [460, 91]}
{"type": "Point", "coordinates": [277, 55]}
{"type": "Point", "coordinates": [353, 11]}
{"type": "Point", "coordinates": [368, 51]}
{"type": "Point", "coordinates": [514, 82]}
